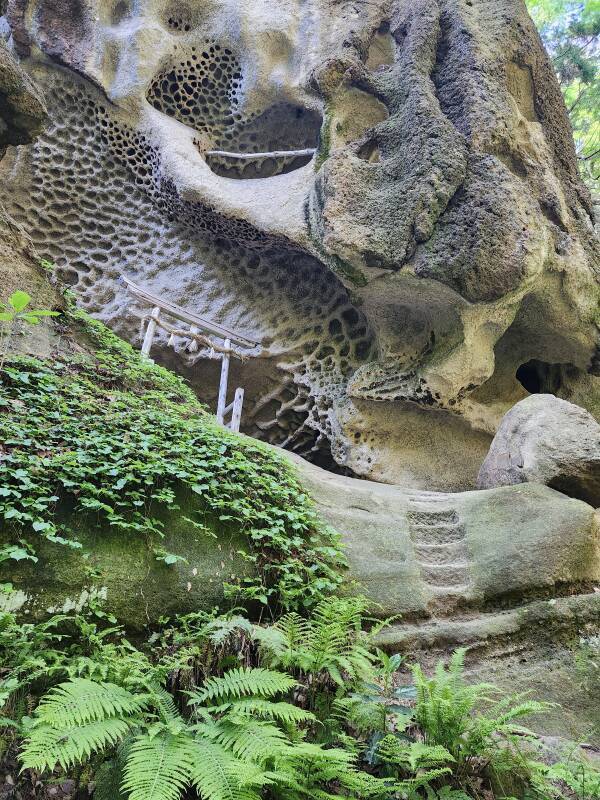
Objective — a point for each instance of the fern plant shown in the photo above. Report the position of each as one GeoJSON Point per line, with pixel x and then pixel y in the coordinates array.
{"type": "Point", "coordinates": [419, 769]}
{"type": "Point", "coordinates": [467, 719]}
{"type": "Point", "coordinates": [461, 735]}
{"type": "Point", "coordinates": [329, 653]}
{"type": "Point", "coordinates": [239, 738]}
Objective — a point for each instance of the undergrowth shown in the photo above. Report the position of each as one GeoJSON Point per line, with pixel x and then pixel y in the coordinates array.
{"type": "Point", "coordinates": [219, 708]}
{"type": "Point", "coordinates": [113, 436]}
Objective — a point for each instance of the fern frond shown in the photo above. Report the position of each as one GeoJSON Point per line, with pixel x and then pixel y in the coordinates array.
{"type": "Point", "coordinates": [361, 715]}
{"type": "Point", "coordinates": [266, 709]}
{"type": "Point", "coordinates": [423, 779]}
{"type": "Point", "coordinates": [314, 753]}
{"type": "Point", "coordinates": [217, 775]}
{"type": "Point", "coordinates": [272, 641]}
{"type": "Point", "coordinates": [254, 741]}
{"type": "Point", "coordinates": [309, 770]}
{"type": "Point", "coordinates": [244, 681]}
{"type": "Point", "coordinates": [46, 746]}
{"type": "Point", "coordinates": [220, 629]}
{"type": "Point", "coordinates": [158, 768]}
{"type": "Point", "coordinates": [165, 704]}
{"type": "Point", "coordinates": [80, 700]}
{"type": "Point", "coordinates": [294, 628]}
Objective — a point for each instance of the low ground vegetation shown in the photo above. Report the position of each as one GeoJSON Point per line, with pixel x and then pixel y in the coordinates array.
{"type": "Point", "coordinates": [220, 708]}
{"type": "Point", "coordinates": [108, 434]}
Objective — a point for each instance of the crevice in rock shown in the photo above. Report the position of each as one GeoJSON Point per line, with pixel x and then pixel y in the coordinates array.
{"type": "Point", "coordinates": [369, 152]}
{"type": "Point", "coordinates": [511, 160]}
{"type": "Point", "coordinates": [550, 210]}
{"type": "Point", "coordinates": [540, 377]}
{"type": "Point", "coordinates": [574, 487]}
{"type": "Point", "coordinates": [447, 89]}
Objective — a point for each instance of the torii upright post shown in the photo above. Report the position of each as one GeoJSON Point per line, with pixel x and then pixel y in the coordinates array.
{"type": "Point", "coordinates": [150, 331]}
{"type": "Point", "coordinates": [223, 384]}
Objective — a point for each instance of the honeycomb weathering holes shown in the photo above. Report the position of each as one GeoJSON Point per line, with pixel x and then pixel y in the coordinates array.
{"type": "Point", "coordinates": [202, 91]}
{"type": "Point", "coordinates": [97, 205]}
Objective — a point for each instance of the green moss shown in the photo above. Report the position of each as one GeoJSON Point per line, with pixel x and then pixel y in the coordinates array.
{"type": "Point", "coordinates": [117, 438]}
{"type": "Point", "coordinates": [324, 142]}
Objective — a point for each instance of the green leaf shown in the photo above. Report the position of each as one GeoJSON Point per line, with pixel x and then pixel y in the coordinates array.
{"type": "Point", "coordinates": [158, 768]}
{"type": "Point", "coordinates": [44, 313]}
{"type": "Point", "coordinates": [48, 746]}
{"type": "Point", "coordinates": [19, 300]}
{"type": "Point", "coordinates": [168, 558]}
{"type": "Point", "coordinates": [6, 316]}
{"type": "Point", "coordinates": [16, 553]}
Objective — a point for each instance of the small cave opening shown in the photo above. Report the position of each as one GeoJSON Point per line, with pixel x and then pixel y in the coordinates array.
{"type": "Point", "coordinates": [579, 487]}
{"type": "Point", "coordinates": [540, 377]}
{"type": "Point", "coordinates": [281, 139]}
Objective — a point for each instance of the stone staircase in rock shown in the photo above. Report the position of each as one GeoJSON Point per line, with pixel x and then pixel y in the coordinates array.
{"type": "Point", "coordinates": [438, 537]}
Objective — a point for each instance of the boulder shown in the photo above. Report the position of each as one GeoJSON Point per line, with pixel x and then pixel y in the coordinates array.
{"type": "Point", "coordinates": [429, 554]}
{"type": "Point", "coordinates": [544, 439]}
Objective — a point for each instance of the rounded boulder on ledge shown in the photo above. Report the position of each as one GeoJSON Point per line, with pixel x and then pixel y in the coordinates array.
{"type": "Point", "coordinates": [544, 439]}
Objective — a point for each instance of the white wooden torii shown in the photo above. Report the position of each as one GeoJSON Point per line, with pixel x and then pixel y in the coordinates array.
{"type": "Point", "coordinates": [197, 326]}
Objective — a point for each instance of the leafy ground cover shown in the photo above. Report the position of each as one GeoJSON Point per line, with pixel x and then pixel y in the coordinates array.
{"type": "Point", "coordinates": [219, 708]}
{"type": "Point", "coordinates": [115, 436]}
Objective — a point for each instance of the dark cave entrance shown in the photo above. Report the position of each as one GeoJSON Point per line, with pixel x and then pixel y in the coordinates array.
{"type": "Point", "coordinates": [541, 377]}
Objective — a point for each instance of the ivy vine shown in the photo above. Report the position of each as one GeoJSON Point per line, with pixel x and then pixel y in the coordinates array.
{"type": "Point", "coordinates": [110, 432]}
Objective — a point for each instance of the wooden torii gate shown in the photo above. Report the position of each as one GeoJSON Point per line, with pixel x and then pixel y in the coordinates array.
{"type": "Point", "coordinates": [198, 328]}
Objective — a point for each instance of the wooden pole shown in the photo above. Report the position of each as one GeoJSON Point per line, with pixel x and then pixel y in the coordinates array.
{"type": "Point", "coordinates": [236, 415]}
{"type": "Point", "coordinates": [309, 151]}
{"type": "Point", "coordinates": [150, 331]}
{"type": "Point", "coordinates": [223, 383]}
{"type": "Point", "coordinates": [193, 346]}
{"type": "Point", "coordinates": [184, 316]}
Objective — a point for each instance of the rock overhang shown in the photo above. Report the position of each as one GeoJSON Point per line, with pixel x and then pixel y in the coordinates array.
{"type": "Point", "coordinates": [390, 280]}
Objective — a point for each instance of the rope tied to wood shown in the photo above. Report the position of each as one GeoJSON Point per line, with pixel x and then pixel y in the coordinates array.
{"type": "Point", "coordinates": [201, 338]}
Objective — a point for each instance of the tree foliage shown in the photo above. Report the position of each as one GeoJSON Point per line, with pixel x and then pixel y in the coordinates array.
{"type": "Point", "coordinates": [570, 30]}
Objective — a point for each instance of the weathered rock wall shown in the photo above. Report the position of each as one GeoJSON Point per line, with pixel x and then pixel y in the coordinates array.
{"type": "Point", "coordinates": [22, 117]}
{"type": "Point", "coordinates": [430, 265]}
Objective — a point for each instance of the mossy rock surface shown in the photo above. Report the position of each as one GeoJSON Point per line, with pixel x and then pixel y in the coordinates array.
{"type": "Point", "coordinates": [123, 573]}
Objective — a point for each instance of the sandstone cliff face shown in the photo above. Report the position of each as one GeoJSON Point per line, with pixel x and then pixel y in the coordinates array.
{"type": "Point", "coordinates": [430, 265]}
{"type": "Point", "coordinates": [22, 117]}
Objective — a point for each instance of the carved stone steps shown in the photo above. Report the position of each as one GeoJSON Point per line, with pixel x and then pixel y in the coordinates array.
{"type": "Point", "coordinates": [441, 553]}
{"type": "Point", "coordinates": [436, 535]}
{"type": "Point", "coordinates": [430, 518]}
{"type": "Point", "coordinates": [444, 575]}
{"type": "Point", "coordinates": [438, 538]}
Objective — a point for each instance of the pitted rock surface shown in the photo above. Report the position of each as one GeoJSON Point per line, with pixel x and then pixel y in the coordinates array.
{"type": "Point", "coordinates": [432, 262]}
